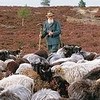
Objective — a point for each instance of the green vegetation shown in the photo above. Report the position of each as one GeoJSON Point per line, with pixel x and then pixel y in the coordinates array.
{"type": "Point", "coordinates": [82, 3]}
{"type": "Point", "coordinates": [24, 13]}
{"type": "Point", "coordinates": [45, 2]}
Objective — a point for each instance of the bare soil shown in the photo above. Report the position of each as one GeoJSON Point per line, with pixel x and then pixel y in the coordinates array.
{"type": "Point", "coordinates": [80, 26]}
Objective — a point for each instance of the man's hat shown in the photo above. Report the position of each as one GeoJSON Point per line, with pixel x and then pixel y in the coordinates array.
{"type": "Point", "coordinates": [49, 14]}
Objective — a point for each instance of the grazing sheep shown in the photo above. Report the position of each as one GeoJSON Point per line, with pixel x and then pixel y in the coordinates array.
{"type": "Point", "coordinates": [39, 84]}
{"type": "Point", "coordinates": [21, 60]}
{"type": "Point", "coordinates": [28, 72]}
{"type": "Point", "coordinates": [26, 69]}
{"type": "Point", "coordinates": [15, 92]}
{"type": "Point", "coordinates": [77, 71]}
{"type": "Point", "coordinates": [53, 57]}
{"type": "Point", "coordinates": [68, 64]}
{"type": "Point", "coordinates": [40, 65]}
{"type": "Point", "coordinates": [42, 53]}
{"type": "Point", "coordinates": [17, 79]}
{"type": "Point", "coordinates": [70, 49]}
{"type": "Point", "coordinates": [22, 67]}
{"type": "Point", "coordinates": [88, 55]}
{"type": "Point", "coordinates": [95, 90]}
{"type": "Point", "coordinates": [16, 53]}
{"type": "Point", "coordinates": [80, 90]}
{"type": "Point", "coordinates": [61, 52]}
{"type": "Point", "coordinates": [33, 58]}
{"type": "Point", "coordinates": [43, 69]}
{"type": "Point", "coordinates": [60, 85]}
{"type": "Point", "coordinates": [5, 54]}
{"type": "Point", "coordinates": [46, 94]}
{"type": "Point", "coordinates": [64, 65]}
{"type": "Point", "coordinates": [11, 68]}
{"type": "Point", "coordinates": [75, 57]}
{"type": "Point", "coordinates": [93, 74]}
{"type": "Point", "coordinates": [6, 62]}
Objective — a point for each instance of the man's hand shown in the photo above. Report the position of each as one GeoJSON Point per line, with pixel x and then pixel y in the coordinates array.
{"type": "Point", "coordinates": [50, 33]}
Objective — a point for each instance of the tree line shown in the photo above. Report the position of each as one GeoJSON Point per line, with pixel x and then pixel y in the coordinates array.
{"type": "Point", "coordinates": [47, 3]}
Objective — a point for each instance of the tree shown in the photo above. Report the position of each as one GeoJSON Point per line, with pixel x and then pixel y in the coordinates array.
{"type": "Point", "coordinates": [23, 13]}
{"type": "Point", "coordinates": [45, 2]}
{"type": "Point", "coordinates": [82, 3]}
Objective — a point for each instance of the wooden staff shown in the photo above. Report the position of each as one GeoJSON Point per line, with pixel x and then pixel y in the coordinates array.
{"type": "Point", "coordinates": [41, 29]}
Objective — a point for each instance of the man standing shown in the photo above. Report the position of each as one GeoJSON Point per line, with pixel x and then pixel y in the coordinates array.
{"type": "Point", "coordinates": [52, 31]}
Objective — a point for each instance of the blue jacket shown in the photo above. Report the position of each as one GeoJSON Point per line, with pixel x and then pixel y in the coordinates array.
{"type": "Point", "coordinates": [55, 28]}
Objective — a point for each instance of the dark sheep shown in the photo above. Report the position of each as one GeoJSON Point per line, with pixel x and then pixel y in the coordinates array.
{"type": "Point", "coordinates": [70, 49]}
{"type": "Point", "coordinates": [46, 75]}
{"type": "Point", "coordinates": [42, 67]}
{"type": "Point", "coordinates": [88, 55]}
{"type": "Point", "coordinates": [93, 74]}
{"type": "Point", "coordinates": [44, 70]}
{"type": "Point", "coordinates": [95, 90]}
{"type": "Point", "coordinates": [42, 53]}
{"type": "Point", "coordinates": [5, 54]}
{"type": "Point", "coordinates": [11, 68]}
{"type": "Point", "coordinates": [21, 60]}
{"type": "Point", "coordinates": [14, 52]}
{"type": "Point", "coordinates": [80, 90]}
{"type": "Point", "coordinates": [60, 85]}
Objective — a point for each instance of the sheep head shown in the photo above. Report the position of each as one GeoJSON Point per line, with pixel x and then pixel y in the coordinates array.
{"type": "Point", "coordinates": [59, 71]}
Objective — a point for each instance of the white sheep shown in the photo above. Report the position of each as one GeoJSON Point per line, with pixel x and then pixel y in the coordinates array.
{"type": "Point", "coordinates": [53, 57]}
{"type": "Point", "coordinates": [46, 94]}
{"type": "Point", "coordinates": [17, 79]}
{"type": "Point", "coordinates": [77, 71]}
{"type": "Point", "coordinates": [32, 58]}
{"type": "Point", "coordinates": [61, 52]}
{"type": "Point", "coordinates": [74, 58]}
{"type": "Point", "coordinates": [15, 92]}
{"type": "Point", "coordinates": [64, 65]}
{"type": "Point", "coordinates": [22, 67]}
{"type": "Point", "coordinates": [29, 72]}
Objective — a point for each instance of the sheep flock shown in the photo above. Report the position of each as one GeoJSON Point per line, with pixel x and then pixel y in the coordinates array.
{"type": "Point", "coordinates": [71, 73]}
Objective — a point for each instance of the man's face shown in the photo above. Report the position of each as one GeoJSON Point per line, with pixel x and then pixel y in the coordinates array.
{"type": "Point", "coordinates": [50, 17]}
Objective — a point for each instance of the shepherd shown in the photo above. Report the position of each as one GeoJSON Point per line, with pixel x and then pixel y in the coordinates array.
{"type": "Point", "coordinates": [52, 32]}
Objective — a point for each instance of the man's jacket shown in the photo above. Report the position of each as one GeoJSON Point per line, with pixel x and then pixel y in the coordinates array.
{"type": "Point", "coordinates": [55, 28]}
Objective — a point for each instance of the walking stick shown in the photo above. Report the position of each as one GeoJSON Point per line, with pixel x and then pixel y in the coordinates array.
{"type": "Point", "coordinates": [39, 43]}
{"type": "Point", "coordinates": [41, 29]}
